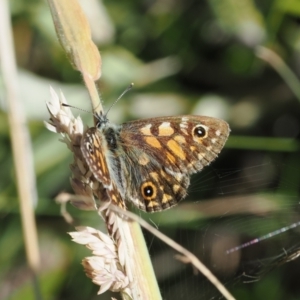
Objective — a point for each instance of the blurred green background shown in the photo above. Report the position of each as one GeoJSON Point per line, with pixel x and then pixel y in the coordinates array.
{"type": "Point", "coordinates": [185, 57]}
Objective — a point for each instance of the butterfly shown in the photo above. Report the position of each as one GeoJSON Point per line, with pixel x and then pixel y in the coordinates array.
{"type": "Point", "coordinates": [149, 161]}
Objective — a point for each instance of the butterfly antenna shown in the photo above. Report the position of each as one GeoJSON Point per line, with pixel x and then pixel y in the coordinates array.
{"type": "Point", "coordinates": [126, 90]}
{"type": "Point", "coordinates": [71, 106]}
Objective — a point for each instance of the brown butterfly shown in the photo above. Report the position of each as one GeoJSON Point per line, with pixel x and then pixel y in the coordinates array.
{"type": "Point", "coordinates": [149, 161]}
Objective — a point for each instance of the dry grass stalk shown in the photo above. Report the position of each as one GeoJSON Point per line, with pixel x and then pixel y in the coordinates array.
{"type": "Point", "coordinates": [20, 139]}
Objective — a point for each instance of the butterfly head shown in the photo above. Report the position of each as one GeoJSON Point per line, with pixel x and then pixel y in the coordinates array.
{"type": "Point", "coordinates": [102, 120]}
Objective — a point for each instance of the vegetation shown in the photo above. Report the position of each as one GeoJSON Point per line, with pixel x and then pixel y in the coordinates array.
{"type": "Point", "coordinates": [234, 59]}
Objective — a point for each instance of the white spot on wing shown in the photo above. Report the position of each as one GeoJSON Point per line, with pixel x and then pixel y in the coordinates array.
{"type": "Point", "coordinates": [165, 129]}
{"type": "Point", "coordinates": [164, 125]}
{"type": "Point", "coordinates": [201, 155]}
{"type": "Point", "coordinates": [146, 130]}
{"type": "Point", "coordinates": [184, 131]}
{"type": "Point", "coordinates": [183, 125]}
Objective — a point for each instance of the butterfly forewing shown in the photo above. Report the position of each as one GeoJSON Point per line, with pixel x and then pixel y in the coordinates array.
{"type": "Point", "coordinates": [184, 144]}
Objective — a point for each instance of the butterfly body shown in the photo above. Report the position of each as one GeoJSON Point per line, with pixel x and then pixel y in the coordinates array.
{"type": "Point", "coordinates": [149, 161]}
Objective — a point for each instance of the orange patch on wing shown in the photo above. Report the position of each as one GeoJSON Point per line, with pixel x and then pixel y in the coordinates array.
{"type": "Point", "coordinates": [153, 142]}
{"type": "Point", "coordinates": [176, 188]}
{"type": "Point", "coordinates": [165, 129]}
{"type": "Point", "coordinates": [163, 174]}
{"type": "Point", "coordinates": [146, 130]}
{"type": "Point", "coordinates": [115, 197]}
{"type": "Point", "coordinates": [154, 175]}
{"type": "Point", "coordinates": [152, 204]}
{"type": "Point", "coordinates": [176, 149]}
{"type": "Point", "coordinates": [170, 157]}
{"type": "Point", "coordinates": [96, 142]}
{"type": "Point", "coordinates": [166, 198]}
{"type": "Point", "coordinates": [143, 159]}
{"type": "Point", "coordinates": [180, 139]}
{"type": "Point", "coordinates": [101, 162]}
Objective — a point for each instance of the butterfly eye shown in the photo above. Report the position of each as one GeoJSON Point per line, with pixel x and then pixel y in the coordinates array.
{"type": "Point", "coordinates": [148, 190]}
{"type": "Point", "coordinates": [199, 131]}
